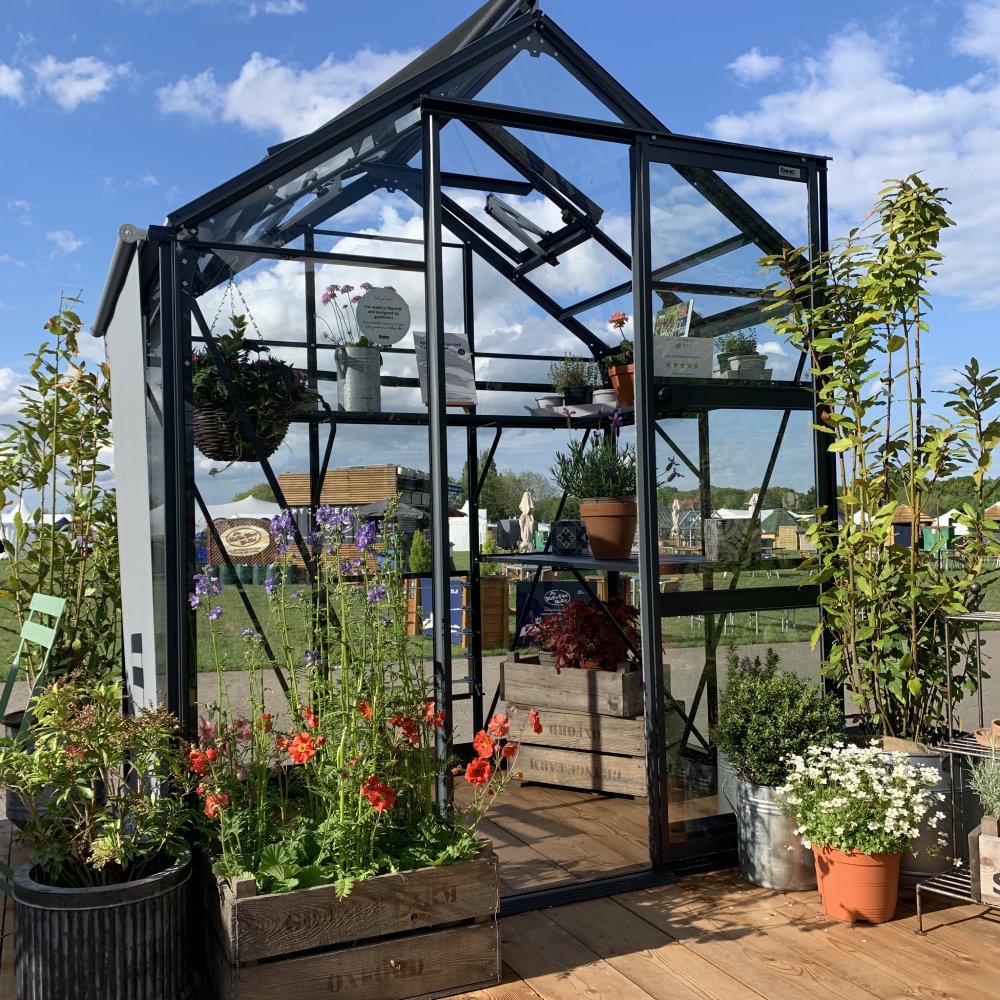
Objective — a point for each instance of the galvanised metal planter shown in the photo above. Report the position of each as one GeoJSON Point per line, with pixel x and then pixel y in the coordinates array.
{"type": "Point", "coordinates": [127, 941]}
{"type": "Point", "coordinates": [764, 835]}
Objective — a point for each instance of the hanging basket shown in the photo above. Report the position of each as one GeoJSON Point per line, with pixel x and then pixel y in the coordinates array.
{"type": "Point", "coordinates": [218, 435]}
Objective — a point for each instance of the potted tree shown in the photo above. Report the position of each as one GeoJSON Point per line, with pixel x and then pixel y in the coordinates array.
{"type": "Point", "coordinates": [884, 601]}
{"type": "Point", "coordinates": [269, 389]}
{"type": "Point", "coordinates": [110, 849]}
{"type": "Point", "coordinates": [766, 716]}
{"type": "Point", "coordinates": [856, 808]}
{"type": "Point", "coordinates": [574, 379]}
{"type": "Point", "coordinates": [601, 475]}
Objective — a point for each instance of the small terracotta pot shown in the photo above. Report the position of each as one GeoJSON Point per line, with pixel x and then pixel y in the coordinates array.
{"type": "Point", "coordinates": [623, 379]}
{"type": "Point", "coordinates": [857, 886]}
{"type": "Point", "coordinates": [995, 727]}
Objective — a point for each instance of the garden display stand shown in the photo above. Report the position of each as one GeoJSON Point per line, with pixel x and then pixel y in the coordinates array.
{"type": "Point", "coordinates": [958, 882]}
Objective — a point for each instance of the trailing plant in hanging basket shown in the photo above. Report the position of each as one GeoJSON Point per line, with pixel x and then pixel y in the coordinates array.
{"type": "Point", "coordinates": [270, 390]}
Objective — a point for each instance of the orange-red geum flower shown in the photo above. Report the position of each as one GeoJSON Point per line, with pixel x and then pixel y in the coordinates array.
{"type": "Point", "coordinates": [365, 709]}
{"type": "Point", "coordinates": [535, 721]}
{"type": "Point", "coordinates": [499, 726]}
{"type": "Point", "coordinates": [479, 771]}
{"type": "Point", "coordinates": [302, 748]}
{"type": "Point", "coordinates": [215, 803]}
{"type": "Point", "coordinates": [483, 743]}
{"type": "Point", "coordinates": [379, 794]}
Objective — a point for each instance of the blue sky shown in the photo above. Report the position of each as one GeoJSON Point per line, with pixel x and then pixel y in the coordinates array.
{"type": "Point", "coordinates": [119, 111]}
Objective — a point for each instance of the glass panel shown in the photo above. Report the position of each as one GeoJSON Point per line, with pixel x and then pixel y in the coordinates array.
{"type": "Point", "coordinates": [697, 653]}
{"type": "Point", "coordinates": [731, 465]}
{"type": "Point", "coordinates": [536, 79]}
{"type": "Point", "coordinates": [707, 243]}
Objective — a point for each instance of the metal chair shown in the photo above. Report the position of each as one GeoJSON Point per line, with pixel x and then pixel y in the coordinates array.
{"type": "Point", "coordinates": [35, 633]}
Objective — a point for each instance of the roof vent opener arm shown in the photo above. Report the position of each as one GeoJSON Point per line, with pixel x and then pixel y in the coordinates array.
{"type": "Point", "coordinates": [519, 225]}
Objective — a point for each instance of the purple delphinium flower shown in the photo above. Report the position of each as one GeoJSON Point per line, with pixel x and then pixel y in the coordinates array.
{"type": "Point", "coordinates": [194, 600]}
{"type": "Point", "coordinates": [214, 614]}
{"type": "Point", "coordinates": [365, 536]}
{"type": "Point", "coordinates": [324, 514]}
{"type": "Point", "coordinates": [269, 586]}
{"type": "Point", "coordinates": [376, 594]}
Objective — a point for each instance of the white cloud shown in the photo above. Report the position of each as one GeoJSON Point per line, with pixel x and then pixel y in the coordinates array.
{"type": "Point", "coordinates": [979, 35]}
{"type": "Point", "coordinates": [11, 83]}
{"type": "Point", "coordinates": [65, 240]}
{"type": "Point", "coordinates": [78, 81]}
{"type": "Point", "coordinates": [5, 258]}
{"type": "Point", "coordinates": [10, 384]}
{"type": "Point", "coordinates": [271, 97]}
{"type": "Point", "coordinates": [22, 208]}
{"type": "Point", "coordinates": [754, 66]}
{"type": "Point", "coordinates": [282, 8]}
{"type": "Point", "coordinates": [951, 135]}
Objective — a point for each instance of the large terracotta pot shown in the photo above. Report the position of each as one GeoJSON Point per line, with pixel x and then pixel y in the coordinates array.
{"type": "Point", "coordinates": [857, 886]}
{"type": "Point", "coordinates": [623, 379]}
{"type": "Point", "coordinates": [610, 525]}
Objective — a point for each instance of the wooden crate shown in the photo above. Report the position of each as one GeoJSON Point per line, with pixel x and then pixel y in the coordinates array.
{"type": "Point", "coordinates": [989, 862]}
{"type": "Point", "coordinates": [425, 933]}
{"type": "Point", "coordinates": [599, 692]}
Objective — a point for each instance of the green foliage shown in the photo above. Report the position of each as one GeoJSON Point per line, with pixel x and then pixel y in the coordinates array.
{"type": "Point", "coordinates": [572, 371]}
{"type": "Point", "coordinates": [53, 461]}
{"type": "Point", "coordinates": [765, 717]}
{"type": "Point", "coordinates": [738, 342]}
{"type": "Point", "coordinates": [985, 782]}
{"type": "Point", "coordinates": [860, 312]}
{"type": "Point", "coordinates": [600, 468]}
{"type": "Point", "coordinates": [259, 491]}
{"type": "Point", "coordinates": [490, 548]}
{"type": "Point", "coordinates": [421, 559]}
{"type": "Point", "coordinates": [267, 386]}
{"type": "Point", "coordinates": [94, 783]}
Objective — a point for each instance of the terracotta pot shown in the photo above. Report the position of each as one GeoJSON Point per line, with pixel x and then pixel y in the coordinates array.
{"type": "Point", "coordinates": [857, 886]}
{"type": "Point", "coordinates": [610, 526]}
{"type": "Point", "coordinates": [623, 379]}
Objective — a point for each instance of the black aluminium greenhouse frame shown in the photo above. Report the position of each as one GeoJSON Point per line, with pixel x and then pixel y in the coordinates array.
{"type": "Point", "coordinates": [166, 261]}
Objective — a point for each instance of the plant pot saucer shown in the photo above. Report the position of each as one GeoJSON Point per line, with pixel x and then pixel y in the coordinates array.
{"type": "Point", "coordinates": [987, 737]}
{"type": "Point", "coordinates": [576, 410]}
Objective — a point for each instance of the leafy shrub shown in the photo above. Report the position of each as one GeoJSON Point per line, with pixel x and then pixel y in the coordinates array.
{"type": "Point", "coordinates": [573, 371]}
{"type": "Point", "coordinates": [421, 558]}
{"type": "Point", "coordinates": [581, 633]}
{"type": "Point", "coordinates": [740, 342]}
{"type": "Point", "coordinates": [765, 717]}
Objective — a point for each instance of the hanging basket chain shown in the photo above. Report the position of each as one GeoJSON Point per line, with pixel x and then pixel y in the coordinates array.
{"type": "Point", "coordinates": [231, 291]}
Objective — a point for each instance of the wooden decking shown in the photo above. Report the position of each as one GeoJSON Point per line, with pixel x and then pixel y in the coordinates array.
{"type": "Point", "coordinates": [707, 936]}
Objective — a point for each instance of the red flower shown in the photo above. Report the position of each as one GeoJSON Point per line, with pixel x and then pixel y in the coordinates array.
{"type": "Point", "coordinates": [509, 751]}
{"type": "Point", "coordinates": [478, 772]}
{"type": "Point", "coordinates": [618, 320]}
{"type": "Point", "coordinates": [535, 721]}
{"type": "Point", "coordinates": [215, 803]}
{"type": "Point", "coordinates": [499, 726]}
{"type": "Point", "coordinates": [199, 764]}
{"type": "Point", "coordinates": [302, 748]}
{"type": "Point", "coordinates": [365, 709]}
{"type": "Point", "coordinates": [211, 756]}
{"type": "Point", "coordinates": [379, 794]}
{"type": "Point", "coordinates": [200, 789]}
{"type": "Point", "coordinates": [483, 744]}
{"type": "Point", "coordinates": [409, 728]}
{"type": "Point", "coordinates": [281, 742]}
{"type": "Point", "coordinates": [74, 752]}
{"type": "Point", "coordinates": [265, 722]}
{"type": "Point", "coordinates": [310, 716]}
{"type": "Point", "coordinates": [432, 717]}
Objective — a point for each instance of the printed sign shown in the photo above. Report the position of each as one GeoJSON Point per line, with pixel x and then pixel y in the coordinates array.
{"type": "Point", "coordinates": [459, 371]}
{"type": "Point", "coordinates": [245, 540]}
{"type": "Point", "coordinates": [683, 357]}
{"type": "Point", "coordinates": [675, 320]}
{"type": "Point", "coordinates": [383, 316]}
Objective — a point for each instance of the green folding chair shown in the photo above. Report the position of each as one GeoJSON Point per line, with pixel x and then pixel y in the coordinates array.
{"type": "Point", "coordinates": [34, 633]}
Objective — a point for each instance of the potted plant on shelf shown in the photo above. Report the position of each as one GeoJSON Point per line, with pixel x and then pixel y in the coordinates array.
{"type": "Point", "coordinates": [110, 849]}
{"type": "Point", "coordinates": [984, 839]}
{"type": "Point", "coordinates": [269, 389]}
{"type": "Point", "coordinates": [883, 600]}
{"type": "Point", "coordinates": [582, 635]}
{"type": "Point", "coordinates": [338, 812]}
{"type": "Point", "coordinates": [574, 379]}
{"type": "Point", "coordinates": [620, 364]}
{"type": "Point", "coordinates": [766, 716]}
{"type": "Point", "coordinates": [858, 808]}
{"type": "Point", "coordinates": [358, 359]}
{"type": "Point", "coordinates": [738, 356]}
{"type": "Point", "coordinates": [601, 474]}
